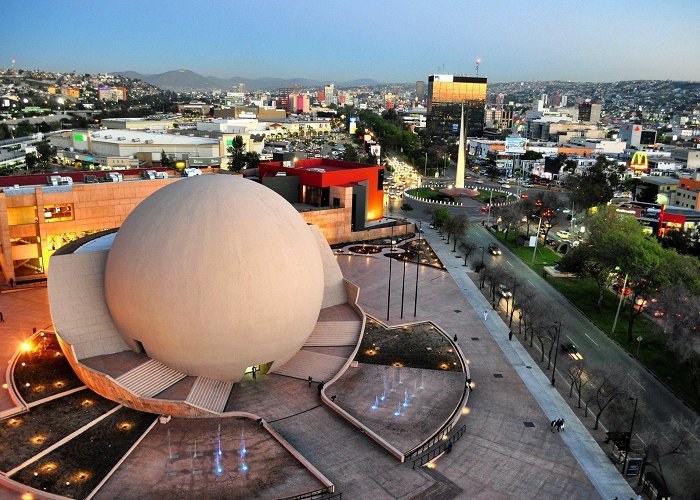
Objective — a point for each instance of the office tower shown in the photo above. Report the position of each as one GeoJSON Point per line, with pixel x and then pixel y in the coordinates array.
{"type": "Point", "coordinates": [589, 112]}
{"type": "Point", "coordinates": [564, 100]}
{"type": "Point", "coordinates": [446, 94]}
{"type": "Point", "coordinates": [420, 90]}
{"type": "Point", "coordinates": [328, 91]}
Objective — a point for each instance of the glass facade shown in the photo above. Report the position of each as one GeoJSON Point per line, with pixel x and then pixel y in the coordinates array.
{"type": "Point", "coordinates": [446, 94]}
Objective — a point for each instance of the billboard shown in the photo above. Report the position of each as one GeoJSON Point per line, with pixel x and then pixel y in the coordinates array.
{"type": "Point", "coordinates": [515, 145]}
{"type": "Point", "coordinates": [352, 128]}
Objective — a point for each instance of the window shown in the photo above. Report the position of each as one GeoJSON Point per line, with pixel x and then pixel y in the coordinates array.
{"type": "Point", "coordinates": [21, 215]}
{"type": "Point", "coordinates": [58, 213]}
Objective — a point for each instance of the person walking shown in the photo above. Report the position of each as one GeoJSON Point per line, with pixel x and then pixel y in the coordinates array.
{"type": "Point", "coordinates": [254, 370]}
{"type": "Point", "coordinates": [561, 424]}
{"type": "Point", "coordinates": [510, 335]}
{"type": "Point", "coordinates": [12, 282]}
{"type": "Point", "coordinates": [320, 387]}
{"type": "Point", "coordinates": [552, 424]}
{"type": "Point", "coordinates": [2, 318]}
{"type": "Point", "coordinates": [486, 315]}
{"type": "Point", "coordinates": [310, 380]}
{"type": "Point", "coordinates": [455, 339]}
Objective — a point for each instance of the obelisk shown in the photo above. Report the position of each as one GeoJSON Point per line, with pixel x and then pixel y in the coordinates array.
{"type": "Point", "coordinates": [459, 180]}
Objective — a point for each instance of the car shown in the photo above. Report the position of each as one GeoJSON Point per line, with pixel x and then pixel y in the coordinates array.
{"type": "Point", "coordinates": [478, 181]}
{"type": "Point", "coordinates": [504, 292]}
{"type": "Point", "coordinates": [564, 235]}
{"type": "Point", "coordinates": [524, 195]}
{"type": "Point", "coordinates": [485, 208]}
{"type": "Point", "coordinates": [493, 248]}
{"type": "Point", "coordinates": [505, 186]}
{"type": "Point", "coordinates": [572, 351]}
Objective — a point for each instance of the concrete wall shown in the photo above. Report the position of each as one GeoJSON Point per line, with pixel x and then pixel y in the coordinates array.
{"type": "Point", "coordinates": [333, 283]}
{"type": "Point", "coordinates": [285, 186]}
{"type": "Point", "coordinates": [78, 306]}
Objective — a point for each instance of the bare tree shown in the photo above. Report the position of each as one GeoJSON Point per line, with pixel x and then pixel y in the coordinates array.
{"type": "Point", "coordinates": [510, 218]}
{"type": "Point", "coordinates": [459, 226]}
{"type": "Point", "coordinates": [467, 248]}
{"type": "Point", "coordinates": [578, 378]}
{"type": "Point", "coordinates": [604, 382]}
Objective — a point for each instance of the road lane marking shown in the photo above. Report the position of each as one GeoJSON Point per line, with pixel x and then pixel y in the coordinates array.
{"type": "Point", "coordinates": [596, 343]}
{"type": "Point", "coordinates": [508, 262]}
{"type": "Point", "coordinates": [633, 380]}
{"type": "Point", "coordinates": [531, 282]}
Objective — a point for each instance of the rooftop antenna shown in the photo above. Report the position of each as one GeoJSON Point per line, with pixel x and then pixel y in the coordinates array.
{"type": "Point", "coordinates": [478, 62]}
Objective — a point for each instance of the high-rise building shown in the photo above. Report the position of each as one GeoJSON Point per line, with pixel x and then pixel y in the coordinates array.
{"type": "Point", "coordinates": [564, 101]}
{"type": "Point", "coordinates": [420, 90]}
{"type": "Point", "coordinates": [446, 94]}
{"type": "Point", "coordinates": [589, 112]}
{"type": "Point", "coordinates": [329, 92]}
{"type": "Point", "coordinates": [283, 98]}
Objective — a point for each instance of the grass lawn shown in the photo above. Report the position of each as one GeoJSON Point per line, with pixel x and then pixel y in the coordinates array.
{"type": "Point", "coordinates": [583, 293]}
{"type": "Point", "coordinates": [485, 196]}
{"type": "Point", "coordinates": [545, 256]}
{"type": "Point", "coordinates": [431, 194]}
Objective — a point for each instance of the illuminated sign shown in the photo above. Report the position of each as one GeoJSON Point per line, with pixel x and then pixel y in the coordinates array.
{"type": "Point", "coordinates": [515, 145]}
{"type": "Point", "coordinates": [639, 162]}
{"type": "Point", "coordinates": [79, 137]}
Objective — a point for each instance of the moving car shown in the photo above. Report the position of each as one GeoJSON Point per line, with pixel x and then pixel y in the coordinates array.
{"type": "Point", "coordinates": [572, 351]}
{"type": "Point", "coordinates": [504, 292]}
{"type": "Point", "coordinates": [505, 186]}
{"type": "Point", "coordinates": [493, 248]}
{"type": "Point", "coordinates": [564, 235]}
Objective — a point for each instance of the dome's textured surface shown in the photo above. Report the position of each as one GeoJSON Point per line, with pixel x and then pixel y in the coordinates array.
{"type": "Point", "coordinates": [213, 274]}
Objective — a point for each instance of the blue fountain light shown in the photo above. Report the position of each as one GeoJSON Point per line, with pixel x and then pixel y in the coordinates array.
{"type": "Point", "coordinates": [243, 468]}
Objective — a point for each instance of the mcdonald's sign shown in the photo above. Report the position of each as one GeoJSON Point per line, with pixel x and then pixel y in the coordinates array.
{"type": "Point", "coordinates": [639, 162]}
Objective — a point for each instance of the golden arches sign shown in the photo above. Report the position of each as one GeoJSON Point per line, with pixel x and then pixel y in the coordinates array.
{"type": "Point", "coordinates": [640, 161]}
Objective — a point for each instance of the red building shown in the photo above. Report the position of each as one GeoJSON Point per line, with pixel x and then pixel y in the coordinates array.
{"type": "Point", "coordinates": [327, 184]}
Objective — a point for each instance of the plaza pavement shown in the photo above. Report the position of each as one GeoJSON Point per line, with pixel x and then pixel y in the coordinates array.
{"type": "Point", "coordinates": [22, 309]}
{"type": "Point", "coordinates": [607, 480]}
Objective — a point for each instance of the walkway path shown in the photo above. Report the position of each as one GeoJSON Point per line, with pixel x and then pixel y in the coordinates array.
{"type": "Point", "coordinates": [605, 477]}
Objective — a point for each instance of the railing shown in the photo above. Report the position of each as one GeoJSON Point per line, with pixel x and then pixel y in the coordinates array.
{"type": "Point", "coordinates": [437, 451]}
{"type": "Point", "coordinates": [323, 493]}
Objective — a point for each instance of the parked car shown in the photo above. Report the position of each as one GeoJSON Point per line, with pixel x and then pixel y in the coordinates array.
{"type": "Point", "coordinates": [493, 248]}
{"type": "Point", "coordinates": [564, 235]}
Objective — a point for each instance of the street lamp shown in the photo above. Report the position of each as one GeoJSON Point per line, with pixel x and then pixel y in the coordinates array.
{"type": "Point", "coordinates": [629, 438]}
{"type": "Point", "coordinates": [557, 327]}
{"type": "Point", "coordinates": [420, 236]}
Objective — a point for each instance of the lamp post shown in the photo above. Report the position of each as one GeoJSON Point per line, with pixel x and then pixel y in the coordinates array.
{"type": "Point", "coordinates": [420, 236]}
{"type": "Point", "coordinates": [557, 326]}
{"type": "Point", "coordinates": [619, 304]}
{"type": "Point", "coordinates": [537, 237]}
{"type": "Point", "coordinates": [629, 438]}
{"type": "Point", "coordinates": [425, 168]}
{"type": "Point", "coordinates": [403, 283]}
{"type": "Point", "coordinates": [388, 297]}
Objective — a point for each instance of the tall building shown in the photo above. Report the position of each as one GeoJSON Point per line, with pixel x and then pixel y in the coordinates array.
{"type": "Point", "coordinates": [446, 94]}
{"type": "Point", "coordinates": [283, 97]}
{"type": "Point", "coordinates": [589, 112]}
{"type": "Point", "coordinates": [564, 101]}
{"type": "Point", "coordinates": [420, 90]}
{"type": "Point", "coordinates": [328, 94]}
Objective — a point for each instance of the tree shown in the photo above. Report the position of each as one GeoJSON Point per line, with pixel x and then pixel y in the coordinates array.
{"type": "Point", "coordinates": [510, 216]}
{"type": "Point", "coordinates": [165, 160]}
{"type": "Point", "coordinates": [31, 160]}
{"type": "Point", "coordinates": [604, 382]}
{"type": "Point", "coordinates": [252, 159]}
{"type": "Point", "coordinates": [532, 155]}
{"type": "Point", "coordinates": [440, 218]}
{"type": "Point", "coordinates": [236, 155]}
{"type": "Point", "coordinates": [45, 152]}
{"type": "Point", "coordinates": [456, 225]}
{"type": "Point", "coordinates": [577, 376]}
{"type": "Point", "coordinates": [467, 248]}
{"type": "Point", "coordinates": [596, 185]}
{"type": "Point", "coordinates": [406, 207]}
{"type": "Point", "coordinates": [350, 154]}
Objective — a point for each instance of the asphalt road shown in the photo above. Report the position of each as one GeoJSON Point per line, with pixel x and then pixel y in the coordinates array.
{"type": "Point", "coordinates": [656, 403]}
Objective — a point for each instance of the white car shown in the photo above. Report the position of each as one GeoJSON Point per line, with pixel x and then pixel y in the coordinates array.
{"type": "Point", "coordinates": [505, 186]}
{"type": "Point", "coordinates": [564, 235]}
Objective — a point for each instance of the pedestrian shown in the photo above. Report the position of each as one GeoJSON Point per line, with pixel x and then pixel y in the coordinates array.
{"type": "Point", "coordinates": [552, 424]}
{"type": "Point", "coordinates": [310, 380]}
{"type": "Point", "coordinates": [486, 315]}
{"type": "Point", "coordinates": [254, 373]}
{"type": "Point", "coordinates": [2, 318]}
{"type": "Point", "coordinates": [561, 424]}
{"type": "Point", "coordinates": [510, 335]}
{"type": "Point", "coordinates": [320, 387]}
{"type": "Point", "coordinates": [12, 282]}
{"type": "Point", "coordinates": [455, 339]}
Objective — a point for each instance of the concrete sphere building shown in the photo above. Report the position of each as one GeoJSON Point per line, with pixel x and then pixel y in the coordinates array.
{"type": "Point", "coordinates": [209, 278]}
{"type": "Point", "coordinates": [216, 268]}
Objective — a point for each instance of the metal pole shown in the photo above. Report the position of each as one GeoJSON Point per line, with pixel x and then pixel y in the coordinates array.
{"type": "Point", "coordinates": [537, 237]}
{"type": "Point", "coordinates": [619, 304]}
{"type": "Point", "coordinates": [557, 325]}
{"type": "Point", "coordinates": [388, 298]}
{"type": "Point", "coordinates": [415, 299]}
{"type": "Point", "coordinates": [403, 283]}
{"type": "Point", "coordinates": [629, 439]}
{"type": "Point", "coordinates": [425, 168]}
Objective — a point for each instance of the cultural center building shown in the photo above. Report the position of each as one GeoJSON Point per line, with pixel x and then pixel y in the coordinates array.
{"type": "Point", "coordinates": [338, 196]}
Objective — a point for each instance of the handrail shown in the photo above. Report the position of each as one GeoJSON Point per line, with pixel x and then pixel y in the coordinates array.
{"type": "Point", "coordinates": [431, 454]}
{"type": "Point", "coordinates": [324, 493]}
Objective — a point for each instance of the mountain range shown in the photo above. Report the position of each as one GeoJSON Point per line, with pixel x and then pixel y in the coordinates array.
{"type": "Point", "coordinates": [184, 80]}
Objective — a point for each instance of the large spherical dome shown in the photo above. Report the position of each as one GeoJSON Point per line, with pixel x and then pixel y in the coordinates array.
{"type": "Point", "coordinates": [213, 274]}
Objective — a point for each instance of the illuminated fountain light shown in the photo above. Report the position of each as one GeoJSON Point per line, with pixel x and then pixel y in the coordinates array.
{"type": "Point", "coordinates": [405, 398]}
{"type": "Point", "coordinates": [397, 413]}
{"type": "Point", "coordinates": [376, 402]}
{"type": "Point", "coordinates": [243, 449]}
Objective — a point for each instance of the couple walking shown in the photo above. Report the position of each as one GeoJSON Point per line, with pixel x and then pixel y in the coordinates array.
{"type": "Point", "coordinates": [557, 424]}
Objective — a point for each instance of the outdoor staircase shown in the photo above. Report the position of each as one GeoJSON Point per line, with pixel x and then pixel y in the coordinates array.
{"type": "Point", "coordinates": [305, 364]}
{"type": "Point", "coordinates": [149, 378]}
{"type": "Point", "coordinates": [209, 394]}
{"type": "Point", "coordinates": [335, 333]}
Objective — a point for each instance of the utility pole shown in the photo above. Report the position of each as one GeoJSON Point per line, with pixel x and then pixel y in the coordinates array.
{"type": "Point", "coordinates": [388, 298]}
{"type": "Point", "coordinates": [557, 326]}
{"type": "Point", "coordinates": [619, 304]}
{"type": "Point", "coordinates": [420, 237]}
{"type": "Point", "coordinates": [537, 237]}
{"type": "Point", "coordinates": [629, 438]}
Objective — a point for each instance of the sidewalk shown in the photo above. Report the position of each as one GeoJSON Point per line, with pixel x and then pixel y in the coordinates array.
{"type": "Point", "coordinates": [605, 477]}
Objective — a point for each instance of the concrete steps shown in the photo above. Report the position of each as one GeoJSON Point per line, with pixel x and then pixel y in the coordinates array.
{"type": "Point", "coordinates": [149, 378]}
{"type": "Point", "coordinates": [307, 363]}
{"type": "Point", "coordinates": [335, 333]}
{"type": "Point", "coordinates": [209, 394]}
